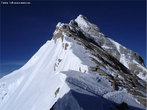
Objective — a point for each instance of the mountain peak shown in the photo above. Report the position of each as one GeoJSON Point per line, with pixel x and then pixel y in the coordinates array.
{"type": "Point", "coordinates": [82, 16]}
{"type": "Point", "coordinates": [87, 26]}
{"type": "Point", "coordinates": [78, 63]}
{"type": "Point", "coordinates": [82, 21]}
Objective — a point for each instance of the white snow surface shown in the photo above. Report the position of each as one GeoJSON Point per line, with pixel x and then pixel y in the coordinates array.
{"type": "Point", "coordinates": [54, 68]}
{"type": "Point", "coordinates": [33, 86]}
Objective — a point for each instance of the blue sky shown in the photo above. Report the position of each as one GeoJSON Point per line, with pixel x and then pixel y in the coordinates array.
{"type": "Point", "coordinates": [25, 28]}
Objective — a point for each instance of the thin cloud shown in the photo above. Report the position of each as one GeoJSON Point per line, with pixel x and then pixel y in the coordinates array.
{"type": "Point", "coordinates": [19, 63]}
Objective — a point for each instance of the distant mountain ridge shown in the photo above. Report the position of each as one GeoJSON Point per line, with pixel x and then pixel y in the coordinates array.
{"type": "Point", "coordinates": [79, 69]}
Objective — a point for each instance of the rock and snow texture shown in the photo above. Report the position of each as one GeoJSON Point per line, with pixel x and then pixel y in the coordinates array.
{"type": "Point", "coordinates": [76, 70]}
{"type": "Point", "coordinates": [127, 57]}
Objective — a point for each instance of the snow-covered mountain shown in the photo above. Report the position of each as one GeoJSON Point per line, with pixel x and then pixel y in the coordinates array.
{"type": "Point", "coordinates": [79, 69]}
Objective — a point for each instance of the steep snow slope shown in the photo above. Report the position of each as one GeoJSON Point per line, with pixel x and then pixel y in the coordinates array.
{"type": "Point", "coordinates": [61, 76]}
{"type": "Point", "coordinates": [33, 86]}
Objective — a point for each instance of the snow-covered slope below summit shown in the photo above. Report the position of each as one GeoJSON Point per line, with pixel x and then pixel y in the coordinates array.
{"type": "Point", "coordinates": [61, 76]}
{"type": "Point", "coordinates": [34, 86]}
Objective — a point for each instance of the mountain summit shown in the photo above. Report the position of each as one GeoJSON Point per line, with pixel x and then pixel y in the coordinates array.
{"type": "Point", "coordinates": [79, 69]}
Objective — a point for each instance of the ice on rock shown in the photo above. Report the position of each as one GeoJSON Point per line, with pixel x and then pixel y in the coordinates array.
{"type": "Point", "coordinates": [82, 21]}
{"type": "Point", "coordinates": [86, 26]}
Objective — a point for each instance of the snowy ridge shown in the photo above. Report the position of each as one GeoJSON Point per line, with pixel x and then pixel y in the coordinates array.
{"type": "Point", "coordinates": [65, 73]}
{"type": "Point", "coordinates": [47, 76]}
{"type": "Point", "coordinates": [31, 84]}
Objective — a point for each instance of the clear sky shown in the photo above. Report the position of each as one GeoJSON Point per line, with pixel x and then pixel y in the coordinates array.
{"type": "Point", "coordinates": [25, 28]}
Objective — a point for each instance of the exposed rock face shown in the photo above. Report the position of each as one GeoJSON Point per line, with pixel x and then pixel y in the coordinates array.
{"type": "Point", "coordinates": [126, 68]}
{"type": "Point", "coordinates": [128, 58]}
